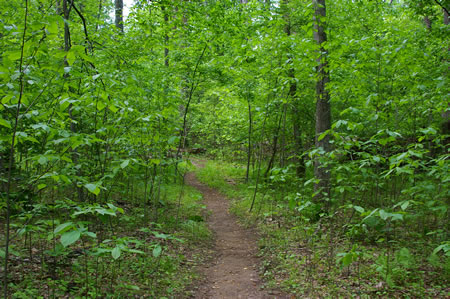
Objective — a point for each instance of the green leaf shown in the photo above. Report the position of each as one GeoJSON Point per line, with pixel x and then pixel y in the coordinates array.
{"type": "Point", "coordinates": [405, 205]}
{"type": "Point", "coordinates": [322, 136]}
{"type": "Point", "coordinates": [113, 108]}
{"type": "Point", "coordinates": [359, 209]}
{"type": "Point", "coordinates": [116, 253]}
{"type": "Point", "coordinates": [70, 238]}
{"type": "Point", "coordinates": [92, 188]}
{"type": "Point", "coordinates": [100, 105]}
{"type": "Point", "coordinates": [396, 216]}
{"type": "Point", "coordinates": [125, 164]}
{"type": "Point", "coordinates": [157, 251]}
{"type": "Point", "coordinates": [5, 123]}
{"type": "Point", "coordinates": [63, 227]}
{"type": "Point", "coordinates": [347, 259]}
{"type": "Point", "coordinates": [42, 160]}
{"type": "Point", "coordinates": [53, 27]}
{"type": "Point", "coordinates": [91, 234]}
{"type": "Point", "coordinates": [155, 161]}
{"type": "Point", "coordinates": [384, 215]}
{"type": "Point", "coordinates": [172, 139]}
{"type": "Point", "coordinates": [14, 55]}
{"type": "Point", "coordinates": [71, 57]}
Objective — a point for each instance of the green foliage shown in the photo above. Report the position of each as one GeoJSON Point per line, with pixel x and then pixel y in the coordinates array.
{"type": "Point", "coordinates": [92, 122]}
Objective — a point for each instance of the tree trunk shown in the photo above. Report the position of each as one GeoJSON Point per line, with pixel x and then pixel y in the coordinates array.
{"type": "Point", "coordinates": [323, 107]}
{"type": "Point", "coordinates": [299, 160]}
{"type": "Point", "coordinates": [166, 36]}
{"type": "Point", "coordinates": [446, 20]}
{"type": "Point", "coordinates": [119, 14]}
{"type": "Point", "coordinates": [275, 143]}
{"type": "Point", "coordinates": [249, 151]}
{"type": "Point", "coordinates": [300, 163]}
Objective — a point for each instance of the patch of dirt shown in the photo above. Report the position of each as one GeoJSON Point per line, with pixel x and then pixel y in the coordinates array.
{"type": "Point", "coordinates": [232, 272]}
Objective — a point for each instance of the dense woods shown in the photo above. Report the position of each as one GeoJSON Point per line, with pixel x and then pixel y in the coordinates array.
{"type": "Point", "coordinates": [328, 123]}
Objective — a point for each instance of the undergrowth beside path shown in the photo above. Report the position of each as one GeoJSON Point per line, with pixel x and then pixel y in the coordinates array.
{"type": "Point", "coordinates": [311, 253]}
{"type": "Point", "coordinates": [122, 255]}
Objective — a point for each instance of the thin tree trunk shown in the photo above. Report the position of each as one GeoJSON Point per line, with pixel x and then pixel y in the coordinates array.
{"type": "Point", "coordinates": [249, 151]}
{"type": "Point", "coordinates": [299, 160]}
{"type": "Point", "coordinates": [119, 14]}
{"type": "Point", "coordinates": [275, 143]}
{"type": "Point", "coordinates": [100, 7]}
{"type": "Point", "coordinates": [323, 107]}
{"type": "Point", "coordinates": [166, 36]}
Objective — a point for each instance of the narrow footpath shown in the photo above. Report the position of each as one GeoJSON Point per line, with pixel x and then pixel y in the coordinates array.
{"type": "Point", "coordinates": [233, 270]}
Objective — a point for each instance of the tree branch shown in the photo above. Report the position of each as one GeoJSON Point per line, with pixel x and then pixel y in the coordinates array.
{"type": "Point", "coordinates": [84, 24]}
{"type": "Point", "coordinates": [442, 6]}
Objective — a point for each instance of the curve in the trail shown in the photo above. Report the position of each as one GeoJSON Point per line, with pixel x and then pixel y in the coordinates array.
{"type": "Point", "coordinates": [233, 271]}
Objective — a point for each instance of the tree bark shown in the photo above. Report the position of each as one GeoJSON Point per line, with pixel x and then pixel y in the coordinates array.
{"type": "Point", "coordinates": [299, 160]}
{"type": "Point", "coordinates": [323, 107]}
{"type": "Point", "coordinates": [249, 151]}
{"type": "Point", "coordinates": [275, 145]}
{"type": "Point", "coordinates": [119, 14]}
{"type": "Point", "coordinates": [166, 36]}
{"type": "Point", "coordinates": [446, 20]}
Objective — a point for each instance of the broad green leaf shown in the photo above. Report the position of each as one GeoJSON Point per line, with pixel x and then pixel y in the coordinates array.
{"type": "Point", "coordinates": [157, 251]}
{"type": "Point", "coordinates": [405, 205]}
{"type": "Point", "coordinates": [113, 108]}
{"type": "Point", "coordinates": [322, 136]}
{"type": "Point", "coordinates": [70, 238]}
{"type": "Point", "coordinates": [172, 139]}
{"type": "Point", "coordinates": [90, 234]}
{"type": "Point", "coordinates": [63, 227]}
{"type": "Point", "coordinates": [71, 57]}
{"type": "Point", "coordinates": [14, 55]}
{"type": "Point", "coordinates": [347, 259]}
{"type": "Point", "coordinates": [383, 214]}
{"type": "Point", "coordinates": [92, 188]}
{"type": "Point", "coordinates": [125, 164]}
{"type": "Point", "coordinates": [53, 27]}
{"type": "Point", "coordinates": [396, 216]}
{"type": "Point", "coordinates": [42, 160]}
{"type": "Point", "coordinates": [359, 209]}
{"type": "Point", "coordinates": [116, 253]}
{"type": "Point", "coordinates": [100, 105]}
{"type": "Point", "coordinates": [5, 123]}
{"type": "Point", "coordinates": [155, 161]}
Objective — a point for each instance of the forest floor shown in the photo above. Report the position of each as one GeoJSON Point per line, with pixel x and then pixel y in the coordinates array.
{"type": "Point", "coordinates": [232, 272]}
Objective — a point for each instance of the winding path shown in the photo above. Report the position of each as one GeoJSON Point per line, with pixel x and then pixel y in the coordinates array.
{"type": "Point", "coordinates": [233, 270]}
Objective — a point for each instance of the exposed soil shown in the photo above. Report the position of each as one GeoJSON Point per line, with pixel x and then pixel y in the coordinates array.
{"type": "Point", "coordinates": [232, 272]}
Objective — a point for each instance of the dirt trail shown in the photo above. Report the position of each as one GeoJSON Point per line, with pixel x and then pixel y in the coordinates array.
{"type": "Point", "coordinates": [233, 271]}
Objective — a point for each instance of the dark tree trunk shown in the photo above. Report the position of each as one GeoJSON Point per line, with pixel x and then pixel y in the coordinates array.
{"type": "Point", "coordinates": [119, 14]}
{"type": "Point", "coordinates": [275, 145]}
{"type": "Point", "coordinates": [323, 107]}
{"type": "Point", "coordinates": [249, 151]}
{"type": "Point", "coordinates": [300, 164]}
{"type": "Point", "coordinates": [166, 36]}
